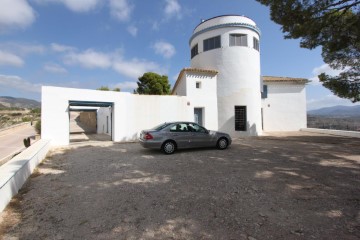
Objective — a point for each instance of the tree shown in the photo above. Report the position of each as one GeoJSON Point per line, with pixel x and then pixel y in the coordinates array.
{"type": "Point", "coordinates": [103, 88]}
{"type": "Point", "coordinates": [106, 88]}
{"type": "Point", "coordinates": [332, 24]}
{"type": "Point", "coordinates": [153, 84]}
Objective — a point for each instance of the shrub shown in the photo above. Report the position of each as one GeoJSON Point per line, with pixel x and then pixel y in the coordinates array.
{"type": "Point", "coordinates": [38, 127]}
{"type": "Point", "coordinates": [26, 119]}
{"type": "Point", "coordinates": [27, 142]}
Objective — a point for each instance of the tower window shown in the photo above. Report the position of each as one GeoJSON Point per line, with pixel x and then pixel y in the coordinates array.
{"type": "Point", "coordinates": [240, 118]}
{"type": "Point", "coordinates": [194, 51]}
{"type": "Point", "coordinates": [264, 92]}
{"type": "Point", "coordinates": [256, 43]}
{"type": "Point", "coordinates": [198, 84]}
{"type": "Point", "coordinates": [212, 43]}
{"type": "Point", "coordinates": [238, 40]}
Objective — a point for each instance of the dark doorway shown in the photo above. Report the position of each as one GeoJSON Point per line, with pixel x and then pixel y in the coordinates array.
{"type": "Point", "coordinates": [84, 120]}
{"type": "Point", "coordinates": [198, 116]}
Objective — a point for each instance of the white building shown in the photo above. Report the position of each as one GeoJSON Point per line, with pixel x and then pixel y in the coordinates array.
{"type": "Point", "coordinates": [222, 90]}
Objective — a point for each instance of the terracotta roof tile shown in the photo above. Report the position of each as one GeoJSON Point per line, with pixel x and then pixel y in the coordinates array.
{"type": "Point", "coordinates": [284, 79]}
{"type": "Point", "coordinates": [194, 70]}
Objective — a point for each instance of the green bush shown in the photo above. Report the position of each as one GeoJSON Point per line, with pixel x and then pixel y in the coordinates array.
{"type": "Point", "coordinates": [38, 127]}
{"type": "Point", "coordinates": [27, 142]}
{"type": "Point", "coordinates": [26, 119]}
{"type": "Point", "coordinates": [36, 111]}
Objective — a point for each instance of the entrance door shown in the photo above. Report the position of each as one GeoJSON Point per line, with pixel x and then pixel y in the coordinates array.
{"type": "Point", "coordinates": [198, 116]}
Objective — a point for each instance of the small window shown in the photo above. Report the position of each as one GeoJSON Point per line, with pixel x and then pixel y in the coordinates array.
{"type": "Point", "coordinates": [264, 92]}
{"type": "Point", "coordinates": [212, 43]}
{"type": "Point", "coordinates": [240, 118]}
{"type": "Point", "coordinates": [194, 51]}
{"type": "Point", "coordinates": [198, 84]}
{"type": "Point", "coordinates": [238, 40]}
{"type": "Point", "coordinates": [256, 43]}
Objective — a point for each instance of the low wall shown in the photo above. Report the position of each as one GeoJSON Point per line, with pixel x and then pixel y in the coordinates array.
{"type": "Point", "coordinates": [333, 132]}
{"type": "Point", "coordinates": [15, 172]}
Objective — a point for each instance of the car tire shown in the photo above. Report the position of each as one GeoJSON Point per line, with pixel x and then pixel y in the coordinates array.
{"type": "Point", "coordinates": [168, 147]}
{"type": "Point", "coordinates": [222, 143]}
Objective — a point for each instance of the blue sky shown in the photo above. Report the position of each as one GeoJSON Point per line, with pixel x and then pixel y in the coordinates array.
{"type": "Point", "coordinates": [94, 43]}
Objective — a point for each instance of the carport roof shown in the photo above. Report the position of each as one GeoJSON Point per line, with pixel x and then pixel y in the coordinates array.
{"type": "Point", "coordinates": [90, 104]}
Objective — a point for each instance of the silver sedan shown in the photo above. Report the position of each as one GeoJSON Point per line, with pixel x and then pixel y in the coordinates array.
{"type": "Point", "coordinates": [179, 135]}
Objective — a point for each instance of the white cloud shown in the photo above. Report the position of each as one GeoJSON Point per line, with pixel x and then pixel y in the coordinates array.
{"type": "Point", "coordinates": [89, 59]}
{"type": "Point", "coordinates": [30, 49]}
{"type": "Point", "coordinates": [81, 5]}
{"type": "Point", "coordinates": [164, 48]}
{"type": "Point", "coordinates": [54, 68]}
{"type": "Point", "coordinates": [136, 68]}
{"type": "Point", "coordinates": [133, 68]}
{"type": "Point", "coordinates": [325, 68]}
{"type": "Point", "coordinates": [17, 82]}
{"type": "Point", "coordinates": [132, 30]}
{"type": "Point", "coordinates": [10, 59]}
{"type": "Point", "coordinates": [61, 48]}
{"type": "Point", "coordinates": [328, 101]}
{"type": "Point", "coordinates": [126, 86]}
{"type": "Point", "coordinates": [21, 49]}
{"type": "Point", "coordinates": [120, 9]}
{"type": "Point", "coordinates": [15, 14]}
{"type": "Point", "coordinates": [75, 5]}
{"type": "Point", "coordinates": [172, 9]}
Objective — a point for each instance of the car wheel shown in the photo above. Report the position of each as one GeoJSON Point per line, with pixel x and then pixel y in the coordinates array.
{"type": "Point", "coordinates": [169, 147]}
{"type": "Point", "coordinates": [222, 143]}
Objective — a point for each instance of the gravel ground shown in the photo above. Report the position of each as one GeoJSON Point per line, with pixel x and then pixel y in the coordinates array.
{"type": "Point", "coordinates": [284, 186]}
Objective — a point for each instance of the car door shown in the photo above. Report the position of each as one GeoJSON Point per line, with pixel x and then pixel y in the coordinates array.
{"type": "Point", "coordinates": [199, 136]}
{"type": "Point", "coordinates": [180, 134]}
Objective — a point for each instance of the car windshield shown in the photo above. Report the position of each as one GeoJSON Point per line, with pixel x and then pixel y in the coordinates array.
{"type": "Point", "coordinates": [161, 126]}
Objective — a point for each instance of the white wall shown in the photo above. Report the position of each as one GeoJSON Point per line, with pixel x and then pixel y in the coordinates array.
{"type": "Point", "coordinates": [180, 89]}
{"type": "Point", "coordinates": [204, 97]}
{"type": "Point", "coordinates": [285, 107]}
{"type": "Point", "coordinates": [238, 81]}
{"type": "Point", "coordinates": [131, 113]}
{"type": "Point", "coordinates": [104, 120]}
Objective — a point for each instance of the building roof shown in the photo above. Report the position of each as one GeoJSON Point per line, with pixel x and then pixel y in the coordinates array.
{"type": "Point", "coordinates": [284, 79]}
{"type": "Point", "coordinates": [267, 79]}
{"type": "Point", "coordinates": [193, 70]}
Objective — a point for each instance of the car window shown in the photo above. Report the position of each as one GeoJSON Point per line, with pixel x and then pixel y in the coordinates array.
{"type": "Point", "coordinates": [179, 127]}
{"type": "Point", "coordinates": [161, 126]}
{"type": "Point", "coordinates": [196, 128]}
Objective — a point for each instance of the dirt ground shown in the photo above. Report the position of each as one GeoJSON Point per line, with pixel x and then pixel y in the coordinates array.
{"type": "Point", "coordinates": [284, 186]}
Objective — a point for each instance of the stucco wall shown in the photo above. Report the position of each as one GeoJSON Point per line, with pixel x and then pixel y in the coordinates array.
{"type": "Point", "coordinates": [203, 97]}
{"type": "Point", "coordinates": [104, 120]}
{"type": "Point", "coordinates": [238, 80]}
{"type": "Point", "coordinates": [285, 107]}
{"type": "Point", "coordinates": [131, 113]}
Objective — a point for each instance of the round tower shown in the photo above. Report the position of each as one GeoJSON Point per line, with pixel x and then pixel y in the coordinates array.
{"type": "Point", "coordinates": [230, 45]}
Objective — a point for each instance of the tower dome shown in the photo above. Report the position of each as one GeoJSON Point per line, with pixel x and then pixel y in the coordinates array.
{"type": "Point", "coordinates": [230, 45]}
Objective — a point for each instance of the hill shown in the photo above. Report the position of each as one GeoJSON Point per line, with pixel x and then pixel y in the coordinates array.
{"type": "Point", "coordinates": [337, 111]}
{"type": "Point", "coordinates": [11, 102]}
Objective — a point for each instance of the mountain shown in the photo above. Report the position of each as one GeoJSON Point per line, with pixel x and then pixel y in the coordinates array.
{"type": "Point", "coordinates": [337, 111]}
{"type": "Point", "coordinates": [9, 102]}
